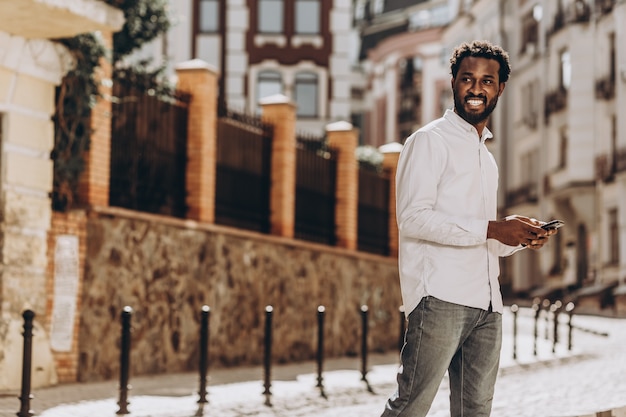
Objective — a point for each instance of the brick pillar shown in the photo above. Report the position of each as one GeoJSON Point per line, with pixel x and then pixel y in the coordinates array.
{"type": "Point", "coordinates": [93, 184]}
{"type": "Point", "coordinates": [280, 112]}
{"type": "Point", "coordinates": [343, 137]}
{"type": "Point", "coordinates": [199, 79]}
{"type": "Point", "coordinates": [391, 154]}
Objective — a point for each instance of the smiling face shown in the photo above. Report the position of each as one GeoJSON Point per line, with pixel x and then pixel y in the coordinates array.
{"type": "Point", "coordinates": [476, 89]}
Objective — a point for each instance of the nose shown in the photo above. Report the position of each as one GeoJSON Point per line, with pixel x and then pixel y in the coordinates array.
{"type": "Point", "coordinates": [474, 87]}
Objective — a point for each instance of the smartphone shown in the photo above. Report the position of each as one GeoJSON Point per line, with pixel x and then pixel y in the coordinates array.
{"type": "Point", "coordinates": [554, 224]}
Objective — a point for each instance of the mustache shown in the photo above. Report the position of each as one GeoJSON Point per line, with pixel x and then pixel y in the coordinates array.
{"type": "Point", "coordinates": [472, 96]}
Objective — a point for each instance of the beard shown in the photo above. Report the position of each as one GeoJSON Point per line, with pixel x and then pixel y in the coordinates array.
{"type": "Point", "coordinates": [473, 117]}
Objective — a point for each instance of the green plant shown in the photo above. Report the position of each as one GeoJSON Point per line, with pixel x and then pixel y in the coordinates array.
{"type": "Point", "coordinates": [369, 157]}
{"type": "Point", "coordinates": [79, 90]}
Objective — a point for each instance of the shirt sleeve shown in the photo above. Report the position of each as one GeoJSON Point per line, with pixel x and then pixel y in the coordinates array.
{"type": "Point", "coordinates": [500, 249]}
{"type": "Point", "coordinates": [420, 168]}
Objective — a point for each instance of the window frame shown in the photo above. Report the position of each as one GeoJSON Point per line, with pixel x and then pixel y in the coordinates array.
{"type": "Point", "coordinates": [281, 19]}
{"type": "Point", "coordinates": [199, 20]}
{"type": "Point", "coordinates": [318, 21]}
{"type": "Point", "coordinates": [267, 72]}
{"type": "Point", "coordinates": [314, 80]}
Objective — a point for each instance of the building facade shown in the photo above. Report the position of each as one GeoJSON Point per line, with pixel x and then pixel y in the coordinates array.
{"type": "Point", "coordinates": [559, 137]}
{"type": "Point", "coordinates": [300, 49]}
{"type": "Point", "coordinates": [402, 77]}
{"type": "Point", "coordinates": [567, 134]}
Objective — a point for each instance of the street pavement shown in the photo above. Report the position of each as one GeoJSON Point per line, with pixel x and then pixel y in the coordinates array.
{"type": "Point", "coordinates": [555, 382]}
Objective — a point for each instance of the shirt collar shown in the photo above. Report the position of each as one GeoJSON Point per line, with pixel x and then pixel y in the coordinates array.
{"type": "Point", "coordinates": [459, 122]}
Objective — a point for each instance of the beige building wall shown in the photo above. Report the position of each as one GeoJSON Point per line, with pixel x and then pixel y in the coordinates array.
{"type": "Point", "coordinates": [26, 106]}
{"type": "Point", "coordinates": [30, 68]}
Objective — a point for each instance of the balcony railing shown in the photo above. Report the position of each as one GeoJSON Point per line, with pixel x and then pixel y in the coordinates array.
{"type": "Point", "coordinates": [605, 88]}
{"type": "Point", "coordinates": [605, 168]}
{"type": "Point", "coordinates": [527, 193]}
{"type": "Point", "coordinates": [620, 160]}
{"type": "Point", "coordinates": [577, 12]}
{"type": "Point", "coordinates": [531, 120]}
{"type": "Point", "coordinates": [607, 165]}
{"type": "Point", "coordinates": [604, 6]}
{"type": "Point", "coordinates": [555, 101]}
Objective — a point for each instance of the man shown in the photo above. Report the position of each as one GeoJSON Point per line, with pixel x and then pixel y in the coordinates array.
{"type": "Point", "coordinates": [450, 243]}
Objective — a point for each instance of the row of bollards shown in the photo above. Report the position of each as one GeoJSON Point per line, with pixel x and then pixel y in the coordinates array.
{"type": "Point", "coordinates": [321, 310]}
{"type": "Point", "coordinates": [551, 312]}
{"type": "Point", "coordinates": [125, 349]}
{"type": "Point", "coordinates": [544, 308]}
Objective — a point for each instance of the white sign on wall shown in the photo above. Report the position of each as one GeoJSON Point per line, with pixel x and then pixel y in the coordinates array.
{"type": "Point", "coordinates": [66, 265]}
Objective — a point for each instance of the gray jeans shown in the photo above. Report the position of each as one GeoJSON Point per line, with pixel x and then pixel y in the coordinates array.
{"type": "Point", "coordinates": [444, 336]}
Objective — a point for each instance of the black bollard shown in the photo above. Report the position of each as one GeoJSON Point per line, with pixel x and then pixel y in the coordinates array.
{"type": "Point", "coordinates": [402, 328]}
{"type": "Point", "coordinates": [26, 396]}
{"type": "Point", "coordinates": [364, 331]}
{"type": "Point", "coordinates": [125, 360]}
{"type": "Point", "coordinates": [537, 309]}
{"type": "Point", "coordinates": [569, 308]}
{"type": "Point", "coordinates": [268, 355]}
{"type": "Point", "coordinates": [514, 310]}
{"type": "Point", "coordinates": [546, 306]}
{"type": "Point", "coordinates": [320, 349]}
{"type": "Point", "coordinates": [204, 352]}
{"type": "Point", "coordinates": [555, 309]}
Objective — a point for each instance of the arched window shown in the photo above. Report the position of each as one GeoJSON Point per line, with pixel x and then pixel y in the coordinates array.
{"type": "Point", "coordinates": [269, 83]}
{"type": "Point", "coordinates": [306, 94]}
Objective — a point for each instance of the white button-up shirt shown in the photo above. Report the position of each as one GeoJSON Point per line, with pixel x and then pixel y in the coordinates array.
{"type": "Point", "coordinates": [446, 191]}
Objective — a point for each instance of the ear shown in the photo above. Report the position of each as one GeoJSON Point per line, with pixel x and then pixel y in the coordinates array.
{"type": "Point", "coordinates": [501, 89]}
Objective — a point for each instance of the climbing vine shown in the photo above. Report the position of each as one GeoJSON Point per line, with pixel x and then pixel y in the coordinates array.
{"type": "Point", "coordinates": [145, 20]}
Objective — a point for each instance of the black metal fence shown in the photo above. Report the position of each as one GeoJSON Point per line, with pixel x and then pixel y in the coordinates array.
{"type": "Point", "coordinates": [148, 170]}
{"type": "Point", "coordinates": [316, 172]}
{"type": "Point", "coordinates": [244, 157]}
{"type": "Point", "coordinates": [373, 214]}
{"type": "Point", "coordinates": [148, 151]}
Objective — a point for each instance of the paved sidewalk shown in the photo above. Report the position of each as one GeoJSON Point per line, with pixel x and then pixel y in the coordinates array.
{"type": "Point", "coordinates": [239, 392]}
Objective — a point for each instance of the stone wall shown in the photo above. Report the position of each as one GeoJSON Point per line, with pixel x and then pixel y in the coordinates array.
{"type": "Point", "coordinates": [167, 269]}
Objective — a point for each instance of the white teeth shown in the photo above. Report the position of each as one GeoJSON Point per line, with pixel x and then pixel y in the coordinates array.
{"type": "Point", "coordinates": [474, 102]}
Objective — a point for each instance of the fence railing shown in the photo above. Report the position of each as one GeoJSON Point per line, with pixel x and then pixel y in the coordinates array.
{"type": "Point", "coordinates": [149, 162]}
{"type": "Point", "coordinates": [148, 151]}
{"type": "Point", "coordinates": [244, 157]}
{"type": "Point", "coordinates": [316, 172]}
{"type": "Point", "coordinates": [373, 214]}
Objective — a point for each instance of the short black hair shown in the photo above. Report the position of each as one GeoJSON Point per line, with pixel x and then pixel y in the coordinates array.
{"type": "Point", "coordinates": [481, 49]}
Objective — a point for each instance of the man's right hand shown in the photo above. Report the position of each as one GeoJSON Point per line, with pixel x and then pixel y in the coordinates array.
{"type": "Point", "coordinates": [518, 230]}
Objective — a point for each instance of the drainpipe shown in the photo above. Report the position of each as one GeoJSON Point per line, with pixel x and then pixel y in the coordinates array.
{"type": "Point", "coordinates": [505, 114]}
{"type": "Point", "coordinates": [221, 103]}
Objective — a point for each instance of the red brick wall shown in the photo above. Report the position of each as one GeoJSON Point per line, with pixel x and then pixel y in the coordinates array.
{"type": "Point", "coordinates": [93, 188]}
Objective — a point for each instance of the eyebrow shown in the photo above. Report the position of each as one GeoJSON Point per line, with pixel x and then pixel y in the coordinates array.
{"type": "Point", "coordinates": [471, 74]}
